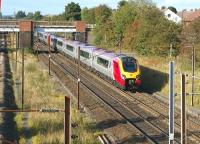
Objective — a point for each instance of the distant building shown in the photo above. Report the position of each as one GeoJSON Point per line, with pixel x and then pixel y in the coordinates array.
{"type": "Point", "coordinates": [189, 16]}
{"type": "Point", "coordinates": [170, 15]}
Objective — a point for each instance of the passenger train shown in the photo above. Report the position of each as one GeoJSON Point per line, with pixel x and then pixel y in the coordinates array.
{"type": "Point", "coordinates": [122, 70]}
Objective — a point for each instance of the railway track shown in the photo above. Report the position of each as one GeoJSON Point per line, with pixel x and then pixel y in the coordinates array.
{"type": "Point", "coordinates": [146, 119]}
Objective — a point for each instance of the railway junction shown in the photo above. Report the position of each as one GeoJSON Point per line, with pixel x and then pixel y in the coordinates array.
{"type": "Point", "coordinates": [123, 116]}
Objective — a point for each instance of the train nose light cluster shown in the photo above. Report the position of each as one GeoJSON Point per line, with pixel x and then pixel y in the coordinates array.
{"type": "Point", "coordinates": [138, 77]}
{"type": "Point", "coordinates": [123, 77]}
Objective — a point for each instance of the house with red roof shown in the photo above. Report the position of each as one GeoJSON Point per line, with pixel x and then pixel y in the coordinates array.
{"type": "Point", "coordinates": [189, 16]}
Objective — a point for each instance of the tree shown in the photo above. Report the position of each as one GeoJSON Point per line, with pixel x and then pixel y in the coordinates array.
{"type": "Point", "coordinates": [29, 15]}
{"type": "Point", "coordinates": [20, 14]}
{"type": "Point", "coordinates": [88, 15]}
{"type": "Point", "coordinates": [173, 9]}
{"type": "Point", "coordinates": [102, 15]}
{"type": "Point", "coordinates": [122, 18]}
{"type": "Point", "coordinates": [163, 7]}
{"type": "Point", "coordinates": [137, 26]}
{"type": "Point", "coordinates": [153, 33]}
{"type": "Point", "coordinates": [122, 3]}
{"type": "Point", "coordinates": [72, 11]}
{"type": "Point", "coordinates": [37, 16]}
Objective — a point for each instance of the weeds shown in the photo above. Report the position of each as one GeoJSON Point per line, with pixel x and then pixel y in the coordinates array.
{"type": "Point", "coordinates": [42, 91]}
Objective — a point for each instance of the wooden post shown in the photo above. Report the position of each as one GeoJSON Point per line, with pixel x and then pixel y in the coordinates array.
{"type": "Point", "coordinates": [193, 69]}
{"type": "Point", "coordinates": [170, 51]}
{"type": "Point", "coordinates": [37, 48]}
{"type": "Point", "coordinates": [183, 112]}
{"type": "Point", "coordinates": [49, 64]}
{"type": "Point", "coordinates": [67, 132]}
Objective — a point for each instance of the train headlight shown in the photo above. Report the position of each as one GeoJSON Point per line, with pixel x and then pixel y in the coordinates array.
{"type": "Point", "coordinates": [138, 76]}
{"type": "Point", "coordinates": [123, 77]}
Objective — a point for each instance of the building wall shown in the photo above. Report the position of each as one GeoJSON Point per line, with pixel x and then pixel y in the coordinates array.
{"type": "Point", "coordinates": [172, 16]}
{"type": "Point", "coordinates": [26, 34]}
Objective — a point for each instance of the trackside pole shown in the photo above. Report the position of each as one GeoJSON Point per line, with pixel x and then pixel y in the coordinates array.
{"type": "Point", "coordinates": [16, 48]}
{"type": "Point", "coordinates": [22, 78]}
{"type": "Point", "coordinates": [49, 55]}
{"type": "Point", "coordinates": [49, 64]}
{"type": "Point", "coordinates": [183, 112]}
{"type": "Point", "coordinates": [37, 48]}
{"type": "Point", "coordinates": [78, 81]}
{"type": "Point", "coordinates": [67, 132]}
{"type": "Point", "coordinates": [171, 102]}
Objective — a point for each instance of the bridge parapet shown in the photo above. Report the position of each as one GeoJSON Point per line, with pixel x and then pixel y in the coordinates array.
{"type": "Point", "coordinates": [9, 23]}
{"type": "Point", "coordinates": [26, 28]}
{"type": "Point", "coordinates": [4, 23]}
{"type": "Point", "coordinates": [53, 23]}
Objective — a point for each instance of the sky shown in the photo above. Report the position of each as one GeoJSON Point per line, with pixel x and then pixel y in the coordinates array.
{"type": "Point", "coordinates": [57, 6]}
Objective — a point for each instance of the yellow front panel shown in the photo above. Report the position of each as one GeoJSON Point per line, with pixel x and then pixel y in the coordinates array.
{"type": "Point", "coordinates": [129, 75]}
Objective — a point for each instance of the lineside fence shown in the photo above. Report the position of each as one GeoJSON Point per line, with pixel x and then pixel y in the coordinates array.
{"type": "Point", "coordinates": [67, 117]}
{"type": "Point", "coordinates": [67, 103]}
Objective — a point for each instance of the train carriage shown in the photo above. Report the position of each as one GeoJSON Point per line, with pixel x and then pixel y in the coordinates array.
{"type": "Point", "coordinates": [86, 54]}
{"type": "Point", "coordinates": [59, 44]}
{"type": "Point", "coordinates": [40, 36]}
{"type": "Point", "coordinates": [70, 48]}
{"type": "Point", "coordinates": [103, 63]}
{"type": "Point", "coordinates": [46, 37]}
{"type": "Point", "coordinates": [53, 42]}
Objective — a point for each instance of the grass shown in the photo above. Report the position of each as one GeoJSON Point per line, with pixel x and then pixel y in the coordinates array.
{"type": "Point", "coordinates": [156, 76]}
{"type": "Point", "coordinates": [42, 91]}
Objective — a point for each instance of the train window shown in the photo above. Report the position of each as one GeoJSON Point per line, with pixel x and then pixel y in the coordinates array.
{"type": "Point", "coordinates": [109, 64]}
{"type": "Point", "coordinates": [70, 48]}
{"type": "Point", "coordinates": [103, 62]}
{"type": "Point", "coordinates": [40, 35]}
{"type": "Point", "coordinates": [59, 43]}
{"type": "Point", "coordinates": [53, 40]}
{"type": "Point", "coordinates": [84, 54]}
{"type": "Point", "coordinates": [129, 64]}
{"type": "Point", "coordinates": [45, 37]}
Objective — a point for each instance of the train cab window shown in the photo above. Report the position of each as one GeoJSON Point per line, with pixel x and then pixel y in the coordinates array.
{"type": "Point", "coordinates": [103, 62]}
{"type": "Point", "coordinates": [84, 54]}
{"type": "Point", "coordinates": [129, 64]}
{"type": "Point", "coordinates": [59, 43]}
{"type": "Point", "coordinates": [70, 48]}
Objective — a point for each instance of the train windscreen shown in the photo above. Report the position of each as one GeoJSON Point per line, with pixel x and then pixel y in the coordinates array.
{"type": "Point", "coordinates": [129, 64]}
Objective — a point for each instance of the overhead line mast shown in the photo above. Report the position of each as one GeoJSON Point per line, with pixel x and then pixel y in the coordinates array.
{"type": "Point", "coordinates": [0, 9]}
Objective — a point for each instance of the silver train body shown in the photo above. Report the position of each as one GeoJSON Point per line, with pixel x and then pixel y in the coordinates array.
{"type": "Point", "coordinates": [98, 59]}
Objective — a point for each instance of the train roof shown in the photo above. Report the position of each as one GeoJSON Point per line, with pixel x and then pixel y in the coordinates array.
{"type": "Point", "coordinates": [88, 48]}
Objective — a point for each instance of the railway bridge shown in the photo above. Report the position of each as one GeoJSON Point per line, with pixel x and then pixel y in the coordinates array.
{"type": "Point", "coordinates": [25, 29]}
